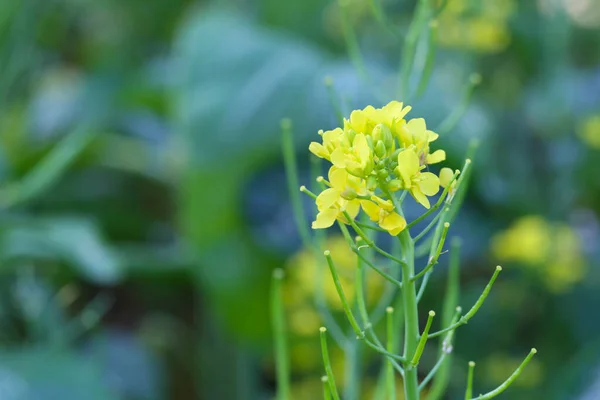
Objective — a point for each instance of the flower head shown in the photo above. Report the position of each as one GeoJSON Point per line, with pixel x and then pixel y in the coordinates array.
{"type": "Point", "coordinates": [375, 153]}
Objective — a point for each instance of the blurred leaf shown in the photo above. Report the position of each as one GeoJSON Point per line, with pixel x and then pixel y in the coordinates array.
{"type": "Point", "coordinates": [75, 241]}
{"type": "Point", "coordinates": [33, 373]}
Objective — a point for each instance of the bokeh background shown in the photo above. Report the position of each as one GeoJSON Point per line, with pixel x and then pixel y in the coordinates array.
{"type": "Point", "coordinates": [143, 202]}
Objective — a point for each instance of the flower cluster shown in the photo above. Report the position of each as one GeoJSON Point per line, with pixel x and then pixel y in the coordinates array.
{"type": "Point", "coordinates": [376, 153]}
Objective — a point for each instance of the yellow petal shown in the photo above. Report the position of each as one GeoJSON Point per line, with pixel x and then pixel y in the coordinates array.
{"type": "Point", "coordinates": [420, 197]}
{"type": "Point", "coordinates": [431, 136]}
{"type": "Point", "coordinates": [446, 175]}
{"type": "Point", "coordinates": [429, 183]}
{"type": "Point", "coordinates": [436, 157]}
{"type": "Point", "coordinates": [318, 150]}
{"type": "Point", "coordinates": [327, 198]}
{"type": "Point", "coordinates": [325, 219]}
{"type": "Point", "coordinates": [358, 120]}
{"type": "Point", "coordinates": [408, 165]}
{"type": "Point", "coordinates": [371, 209]}
{"type": "Point", "coordinates": [338, 158]}
{"type": "Point", "coordinates": [352, 208]}
{"type": "Point", "coordinates": [338, 178]}
{"type": "Point", "coordinates": [393, 223]}
{"type": "Point", "coordinates": [361, 147]}
{"type": "Point", "coordinates": [385, 204]}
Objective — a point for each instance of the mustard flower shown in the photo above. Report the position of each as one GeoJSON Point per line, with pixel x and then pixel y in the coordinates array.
{"type": "Point", "coordinates": [415, 133]}
{"type": "Point", "coordinates": [357, 159]}
{"type": "Point", "coordinates": [382, 212]}
{"type": "Point", "coordinates": [340, 197]}
{"type": "Point", "coordinates": [419, 184]}
{"type": "Point", "coordinates": [331, 141]}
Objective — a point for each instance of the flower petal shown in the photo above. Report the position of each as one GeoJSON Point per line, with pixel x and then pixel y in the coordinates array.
{"type": "Point", "coordinates": [327, 198]}
{"type": "Point", "coordinates": [371, 209]}
{"type": "Point", "coordinates": [393, 223]}
{"type": "Point", "coordinates": [318, 150]}
{"type": "Point", "coordinates": [446, 175]}
{"type": "Point", "coordinates": [436, 157]}
{"type": "Point", "coordinates": [408, 165]}
{"type": "Point", "coordinates": [420, 197]}
{"type": "Point", "coordinates": [429, 183]}
{"type": "Point", "coordinates": [338, 178]}
{"type": "Point", "coordinates": [338, 158]}
{"type": "Point", "coordinates": [325, 219]}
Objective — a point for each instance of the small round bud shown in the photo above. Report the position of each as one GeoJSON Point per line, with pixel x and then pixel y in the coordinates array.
{"type": "Point", "coordinates": [324, 378]}
{"type": "Point", "coordinates": [459, 309]}
{"type": "Point", "coordinates": [383, 173]}
{"type": "Point", "coordinates": [320, 179]}
{"type": "Point", "coordinates": [326, 253]}
{"type": "Point", "coordinates": [358, 239]}
{"type": "Point", "coordinates": [446, 225]}
{"type": "Point", "coordinates": [475, 79]}
{"type": "Point", "coordinates": [471, 364]}
{"type": "Point", "coordinates": [389, 310]}
{"type": "Point", "coordinates": [303, 188]}
{"type": "Point", "coordinates": [468, 161]}
{"type": "Point", "coordinates": [533, 350]}
{"type": "Point", "coordinates": [394, 185]}
{"type": "Point", "coordinates": [498, 268]}
{"type": "Point", "coordinates": [380, 149]}
{"type": "Point", "coordinates": [432, 313]}
{"type": "Point", "coordinates": [322, 329]}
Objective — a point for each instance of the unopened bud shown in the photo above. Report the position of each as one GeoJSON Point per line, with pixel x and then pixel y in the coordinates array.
{"type": "Point", "coordinates": [350, 134]}
{"type": "Point", "coordinates": [349, 194]}
{"type": "Point", "coordinates": [395, 185]}
{"type": "Point", "coordinates": [371, 182]}
{"type": "Point", "coordinates": [382, 173]}
{"type": "Point", "coordinates": [380, 149]}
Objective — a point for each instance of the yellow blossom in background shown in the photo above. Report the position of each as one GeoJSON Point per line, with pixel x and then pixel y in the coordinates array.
{"type": "Point", "coordinates": [552, 250]}
{"type": "Point", "coordinates": [375, 153]}
{"type": "Point", "coordinates": [589, 131]}
{"type": "Point", "coordinates": [476, 26]}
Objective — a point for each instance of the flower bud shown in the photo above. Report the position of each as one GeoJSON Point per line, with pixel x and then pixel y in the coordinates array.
{"type": "Point", "coordinates": [349, 194]}
{"type": "Point", "coordinates": [350, 134]}
{"type": "Point", "coordinates": [380, 149]}
{"type": "Point", "coordinates": [370, 142]}
{"type": "Point", "coordinates": [371, 182]}
{"type": "Point", "coordinates": [394, 185]}
{"type": "Point", "coordinates": [382, 173]}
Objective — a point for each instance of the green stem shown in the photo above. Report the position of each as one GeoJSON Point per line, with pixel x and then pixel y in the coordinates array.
{"type": "Point", "coordinates": [510, 379]}
{"type": "Point", "coordinates": [326, 391]}
{"type": "Point", "coordinates": [454, 117]}
{"type": "Point", "coordinates": [342, 295]}
{"type": "Point", "coordinates": [291, 170]}
{"type": "Point", "coordinates": [423, 340]}
{"type": "Point", "coordinates": [391, 339]}
{"type": "Point", "coordinates": [327, 364]}
{"type": "Point", "coordinates": [436, 256]}
{"type": "Point", "coordinates": [469, 391]}
{"type": "Point", "coordinates": [464, 319]}
{"type": "Point", "coordinates": [411, 315]}
{"type": "Point", "coordinates": [282, 362]}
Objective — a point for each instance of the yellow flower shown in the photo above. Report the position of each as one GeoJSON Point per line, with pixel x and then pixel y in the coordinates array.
{"type": "Point", "coordinates": [528, 240]}
{"type": "Point", "coordinates": [415, 133]}
{"type": "Point", "coordinates": [446, 175]}
{"type": "Point", "coordinates": [331, 141]}
{"type": "Point", "coordinates": [340, 197]}
{"type": "Point", "coordinates": [364, 121]}
{"type": "Point", "coordinates": [382, 212]}
{"type": "Point", "coordinates": [420, 184]}
{"type": "Point", "coordinates": [356, 159]}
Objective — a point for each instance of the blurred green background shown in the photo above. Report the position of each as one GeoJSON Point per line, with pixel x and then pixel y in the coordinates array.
{"type": "Point", "coordinates": [143, 202]}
